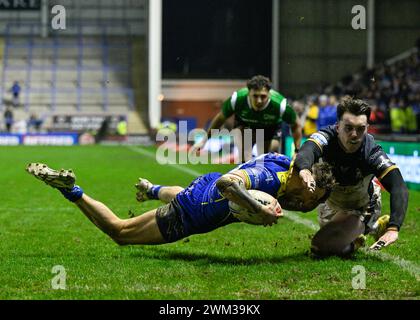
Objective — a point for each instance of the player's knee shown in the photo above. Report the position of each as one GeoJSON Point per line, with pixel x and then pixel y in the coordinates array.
{"type": "Point", "coordinates": [347, 251]}
{"type": "Point", "coordinates": [117, 233]}
{"type": "Point", "coordinates": [319, 249]}
{"type": "Point", "coordinates": [121, 242]}
{"type": "Point", "coordinates": [316, 253]}
{"type": "Point", "coordinates": [322, 249]}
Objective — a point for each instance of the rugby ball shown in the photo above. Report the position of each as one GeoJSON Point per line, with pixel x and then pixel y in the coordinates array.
{"type": "Point", "coordinates": [249, 217]}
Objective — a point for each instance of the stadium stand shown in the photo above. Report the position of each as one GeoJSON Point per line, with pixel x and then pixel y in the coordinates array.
{"type": "Point", "coordinates": [392, 88]}
{"type": "Point", "coordinates": [88, 69]}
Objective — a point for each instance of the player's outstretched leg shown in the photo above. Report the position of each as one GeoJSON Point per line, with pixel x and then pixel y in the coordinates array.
{"type": "Point", "coordinates": [63, 180]}
{"type": "Point", "coordinates": [142, 229]}
{"type": "Point", "coordinates": [149, 191]}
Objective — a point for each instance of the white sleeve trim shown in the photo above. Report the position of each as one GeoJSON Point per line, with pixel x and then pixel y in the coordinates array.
{"type": "Point", "coordinates": [283, 104]}
{"type": "Point", "coordinates": [233, 100]}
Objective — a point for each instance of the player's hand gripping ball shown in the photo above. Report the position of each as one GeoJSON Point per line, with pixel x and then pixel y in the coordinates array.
{"type": "Point", "coordinates": [250, 217]}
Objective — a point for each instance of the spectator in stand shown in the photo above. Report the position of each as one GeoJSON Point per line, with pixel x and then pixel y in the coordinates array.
{"type": "Point", "coordinates": [397, 116]}
{"type": "Point", "coordinates": [34, 123]}
{"type": "Point", "coordinates": [122, 126]}
{"type": "Point", "coordinates": [8, 119]}
{"type": "Point", "coordinates": [311, 126]}
{"type": "Point", "coordinates": [403, 118]}
{"type": "Point", "coordinates": [394, 88]}
{"type": "Point", "coordinates": [410, 116]}
{"type": "Point", "coordinates": [387, 85]}
{"type": "Point", "coordinates": [15, 90]}
{"type": "Point", "coordinates": [333, 102]}
{"type": "Point", "coordinates": [327, 112]}
{"type": "Point", "coordinates": [415, 102]}
{"type": "Point", "coordinates": [300, 110]}
{"type": "Point", "coordinates": [103, 130]}
{"type": "Point", "coordinates": [377, 119]}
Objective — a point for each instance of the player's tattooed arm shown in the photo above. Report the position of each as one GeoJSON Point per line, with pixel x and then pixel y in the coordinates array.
{"type": "Point", "coordinates": [232, 187]}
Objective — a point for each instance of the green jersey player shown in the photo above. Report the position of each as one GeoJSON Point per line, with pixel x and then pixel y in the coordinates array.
{"type": "Point", "coordinates": [257, 106]}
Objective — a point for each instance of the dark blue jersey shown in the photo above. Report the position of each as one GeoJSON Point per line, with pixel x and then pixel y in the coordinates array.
{"type": "Point", "coordinates": [268, 173]}
{"type": "Point", "coordinates": [348, 168]}
{"type": "Point", "coordinates": [354, 172]}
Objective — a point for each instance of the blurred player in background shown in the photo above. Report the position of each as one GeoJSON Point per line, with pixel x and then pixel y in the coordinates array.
{"type": "Point", "coordinates": [355, 202]}
{"type": "Point", "coordinates": [257, 106]}
{"type": "Point", "coordinates": [204, 205]}
{"type": "Point", "coordinates": [311, 118]}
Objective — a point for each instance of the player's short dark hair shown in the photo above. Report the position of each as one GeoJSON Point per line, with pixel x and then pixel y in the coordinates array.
{"type": "Point", "coordinates": [323, 176]}
{"type": "Point", "coordinates": [356, 107]}
{"type": "Point", "coordinates": [259, 82]}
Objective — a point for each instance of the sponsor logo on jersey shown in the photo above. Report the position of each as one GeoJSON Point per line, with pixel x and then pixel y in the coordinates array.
{"type": "Point", "coordinates": [376, 155]}
{"type": "Point", "coordinates": [254, 173]}
{"type": "Point", "coordinates": [269, 117]}
{"type": "Point", "coordinates": [319, 138]}
{"type": "Point", "coordinates": [269, 177]}
{"type": "Point", "coordinates": [384, 163]}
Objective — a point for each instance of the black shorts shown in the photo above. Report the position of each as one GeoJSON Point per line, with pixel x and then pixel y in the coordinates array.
{"type": "Point", "coordinates": [270, 133]}
{"type": "Point", "coordinates": [169, 221]}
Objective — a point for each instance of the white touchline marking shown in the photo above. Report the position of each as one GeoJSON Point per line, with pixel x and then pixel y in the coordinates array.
{"type": "Point", "coordinates": [36, 209]}
{"type": "Point", "coordinates": [296, 218]}
{"type": "Point", "coordinates": [151, 155]}
{"type": "Point", "coordinates": [407, 265]}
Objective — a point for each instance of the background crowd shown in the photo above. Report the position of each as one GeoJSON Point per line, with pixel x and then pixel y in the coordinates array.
{"type": "Point", "coordinates": [392, 90]}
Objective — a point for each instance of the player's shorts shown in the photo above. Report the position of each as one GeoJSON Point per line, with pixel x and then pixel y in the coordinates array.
{"type": "Point", "coordinates": [169, 221]}
{"type": "Point", "coordinates": [368, 215]}
{"type": "Point", "coordinates": [277, 134]}
{"type": "Point", "coordinates": [188, 214]}
{"type": "Point", "coordinates": [270, 133]}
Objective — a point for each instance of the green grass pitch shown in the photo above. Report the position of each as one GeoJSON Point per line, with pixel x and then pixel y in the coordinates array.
{"type": "Point", "coordinates": [39, 229]}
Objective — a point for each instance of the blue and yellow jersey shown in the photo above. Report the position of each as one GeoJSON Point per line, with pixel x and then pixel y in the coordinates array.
{"type": "Point", "coordinates": [268, 172]}
{"type": "Point", "coordinates": [204, 207]}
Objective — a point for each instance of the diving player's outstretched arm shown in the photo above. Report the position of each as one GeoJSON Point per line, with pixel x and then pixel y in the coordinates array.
{"type": "Point", "coordinates": [394, 183]}
{"type": "Point", "coordinates": [232, 187]}
{"type": "Point", "coordinates": [308, 155]}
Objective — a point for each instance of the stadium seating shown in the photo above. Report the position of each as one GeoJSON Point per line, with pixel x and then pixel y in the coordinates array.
{"type": "Point", "coordinates": [76, 72]}
{"type": "Point", "coordinates": [86, 69]}
{"type": "Point", "coordinates": [392, 87]}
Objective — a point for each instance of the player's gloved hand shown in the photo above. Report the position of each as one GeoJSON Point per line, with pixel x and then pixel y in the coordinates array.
{"type": "Point", "coordinates": [271, 213]}
{"type": "Point", "coordinates": [307, 179]}
{"type": "Point", "coordinates": [389, 237]}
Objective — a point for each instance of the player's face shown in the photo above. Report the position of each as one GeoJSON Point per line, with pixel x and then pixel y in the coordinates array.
{"type": "Point", "coordinates": [259, 98]}
{"type": "Point", "coordinates": [351, 131]}
{"type": "Point", "coordinates": [301, 199]}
